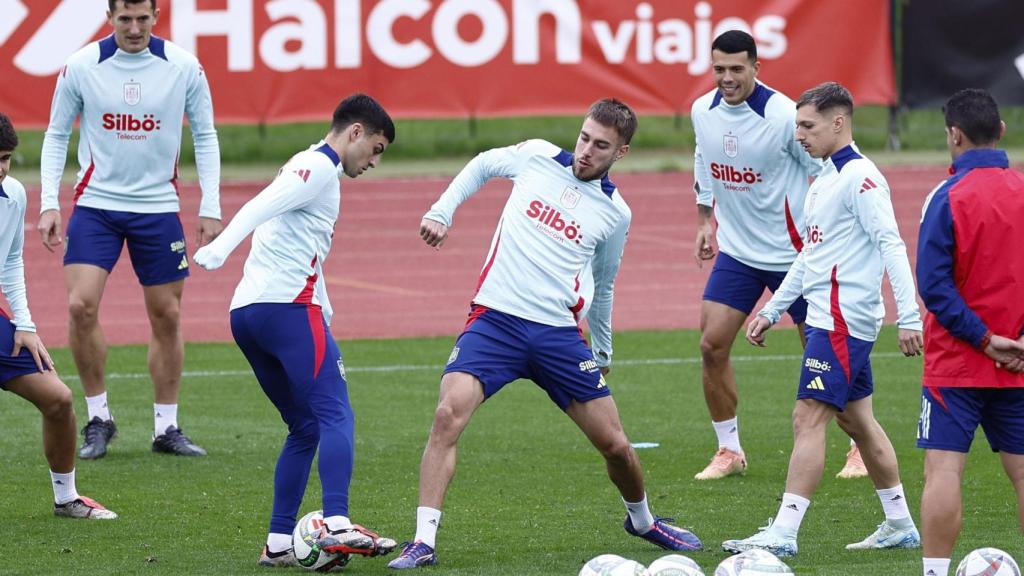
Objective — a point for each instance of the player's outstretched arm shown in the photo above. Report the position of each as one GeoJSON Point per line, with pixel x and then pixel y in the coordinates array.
{"type": "Point", "coordinates": [911, 342]}
{"type": "Point", "coordinates": [50, 229]}
{"type": "Point", "coordinates": [757, 329]}
{"type": "Point", "coordinates": [434, 233]}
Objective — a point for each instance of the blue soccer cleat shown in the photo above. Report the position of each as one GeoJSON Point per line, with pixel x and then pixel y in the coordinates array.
{"type": "Point", "coordinates": [666, 535]}
{"type": "Point", "coordinates": [414, 555]}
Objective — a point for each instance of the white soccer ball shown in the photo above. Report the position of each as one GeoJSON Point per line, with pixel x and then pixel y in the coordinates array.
{"type": "Point", "coordinates": [674, 565]}
{"type": "Point", "coordinates": [612, 565]}
{"type": "Point", "coordinates": [988, 562]}
{"type": "Point", "coordinates": [752, 563]}
{"type": "Point", "coordinates": [308, 552]}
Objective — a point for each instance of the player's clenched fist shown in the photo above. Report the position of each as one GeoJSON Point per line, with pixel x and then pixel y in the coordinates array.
{"type": "Point", "coordinates": [433, 233]}
{"type": "Point", "coordinates": [208, 259]}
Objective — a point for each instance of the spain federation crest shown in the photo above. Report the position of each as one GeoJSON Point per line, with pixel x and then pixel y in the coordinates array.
{"type": "Point", "coordinates": [132, 93]}
{"type": "Point", "coordinates": [731, 145]}
{"type": "Point", "coordinates": [570, 197]}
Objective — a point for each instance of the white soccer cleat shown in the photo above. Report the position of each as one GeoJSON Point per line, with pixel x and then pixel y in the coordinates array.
{"type": "Point", "coordinates": [887, 536]}
{"type": "Point", "coordinates": [767, 539]}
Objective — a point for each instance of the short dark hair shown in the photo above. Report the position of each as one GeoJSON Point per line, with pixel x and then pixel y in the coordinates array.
{"type": "Point", "coordinates": [975, 112]}
{"type": "Point", "coordinates": [8, 137]}
{"type": "Point", "coordinates": [113, 3]}
{"type": "Point", "coordinates": [617, 114]}
{"type": "Point", "coordinates": [826, 96]}
{"type": "Point", "coordinates": [366, 111]}
{"type": "Point", "coordinates": [735, 41]}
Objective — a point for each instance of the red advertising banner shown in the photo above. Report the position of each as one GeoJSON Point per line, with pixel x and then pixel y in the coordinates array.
{"type": "Point", "coordinates": [291, 60]}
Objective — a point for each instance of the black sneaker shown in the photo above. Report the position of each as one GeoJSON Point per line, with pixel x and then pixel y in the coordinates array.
{"type": "Point", "coordinates": [173, 441]}
{"type": "Point", "coordinates": [98, 433]}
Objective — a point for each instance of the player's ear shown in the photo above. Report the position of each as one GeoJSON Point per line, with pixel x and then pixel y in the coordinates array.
{"type": "Point", "coordinates": [622, 151]}
{"type": "Point", "coordinates": [355, 131]}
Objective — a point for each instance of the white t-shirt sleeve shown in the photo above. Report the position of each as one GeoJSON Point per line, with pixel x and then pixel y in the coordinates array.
{"type": "Point", "coordinates": [874, 212]}
{"type": "Point", "coordinates": [199, 110]}
{"type": "Point", "coordinates": [66, 106]}
{"type": "Point", "coordinates": [701, 179]}
{"type": "Point", "coordinates": [13, 276]}
{"type": "Point", "coordinates": [789, 290]}
{"type": "Point", "coordinates": [289, 191]}
{"type": "Point", "coordinates": [605, 266]}
{"type": "Point", "coordinates": [495, 163]}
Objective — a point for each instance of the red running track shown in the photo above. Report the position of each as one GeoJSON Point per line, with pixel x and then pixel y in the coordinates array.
{"type": "Point", "coordinates": [385, 283]}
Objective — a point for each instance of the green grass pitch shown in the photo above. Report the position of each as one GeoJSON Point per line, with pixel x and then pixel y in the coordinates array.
{"type": "Point", "coordinates": [530, 495]}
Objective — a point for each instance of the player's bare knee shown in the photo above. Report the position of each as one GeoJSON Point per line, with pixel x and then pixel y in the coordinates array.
{"type": "Point", "coordinates": [448, 421]}
{"type": "Point", "coordinates": [616, 450]}
{"type": "Point", "coordinates": [852, 429]}
{"type": "Point", "coordinates": [166, 318]}
{"type": "Point", "coordinates": [82, 313]}
{"type": "Point", "coordinates": [713, 351]}
{"type": "Point", "coordinates": [59, 405]}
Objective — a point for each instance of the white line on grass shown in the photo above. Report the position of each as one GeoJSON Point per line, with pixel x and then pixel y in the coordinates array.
{"type": "Point", "coordinates": [438, 367]}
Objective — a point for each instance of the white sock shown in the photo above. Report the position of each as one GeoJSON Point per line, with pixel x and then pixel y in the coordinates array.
{"type": "Point", "coordinates": [791, 513]}
{"type": "Point", "coordinates": [936, 566]}
{"type": "Point", "coordinates": [427, 521]}
{"type": "Point", "coordinates": [640, 515]}
{"type": "Point", "coordinates": [335, 523]}
{"type": "Point", "coordinates": [164, 415]}
{"type": "Point", "coordinates": [64, 490]}
{"type": "Point", "coordinates": [894, 504]}
{"type": "Point", "coordinates": [98, 407]}
{"type": "Point", "coordinates": [278, 542]}
{"type": "Point", "coordinates": [728, 432]}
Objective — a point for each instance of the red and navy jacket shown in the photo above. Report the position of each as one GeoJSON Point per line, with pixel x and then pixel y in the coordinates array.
{"type": "Point", "coordinates": [970, 272]}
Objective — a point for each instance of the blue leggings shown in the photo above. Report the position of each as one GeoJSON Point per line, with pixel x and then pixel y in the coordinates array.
{"type": "Point", "coordinates": [298, 365]}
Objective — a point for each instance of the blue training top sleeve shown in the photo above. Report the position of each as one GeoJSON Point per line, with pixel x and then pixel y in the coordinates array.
{"type": "Point", "coordinates": [936, 248]}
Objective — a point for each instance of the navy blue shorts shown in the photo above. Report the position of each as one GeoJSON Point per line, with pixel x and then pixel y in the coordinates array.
{"type": "Point", "coordinates": [12, 366]}
{"type": "Point", "coordinates": [739, 286]}
{"type": "Point", "coordinates": [156, 243]}
{"type": "Point", "coordinates": [836, 370]}
{"type": "Point", "coordinates": [949, 417]}
{"type": "Point", "coordinates": [498, 348]}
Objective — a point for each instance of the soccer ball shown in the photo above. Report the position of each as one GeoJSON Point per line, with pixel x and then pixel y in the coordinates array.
{"type": "Point", "coordinates": [308, 552]}
{"type": "Point", "coordinates": [752, 563]}
{"type": "Point", "coordinates": [674, 565]}
{"type": "Point", "coordinates": [612, 565]}
{"type": "Point", "coordinates": [988, 562]}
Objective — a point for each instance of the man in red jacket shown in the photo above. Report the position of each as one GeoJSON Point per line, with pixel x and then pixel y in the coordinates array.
{"type": "Point", "coordinates": [974, 331]}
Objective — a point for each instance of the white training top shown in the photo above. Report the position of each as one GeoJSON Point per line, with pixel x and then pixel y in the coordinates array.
{"type": "Point", "coordinates": [131, 108]}
{"type": "Point", "coordinates": [558, 244]}
{"type": "Point", "coordinates": [749, 166]}
{"type": "Point", "coordinates": [850, 235]}
{"type": "Point", "coordinates": [12, 242]}
{"type": "Point", "coordinates": [293, 218]}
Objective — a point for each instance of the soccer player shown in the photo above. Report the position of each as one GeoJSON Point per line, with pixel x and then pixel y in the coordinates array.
{"type": "Point", "coordinates": [974, 330]}
{"type": "Point", "coordinates": [130, 91]}
{"type": "Point", "coordinates": [280, 317]}
{"type": "Point", "coordinates": [25, 366]}
{"type": "Point", "coordinates": [559, 242]}
{"type": "Point", "coordinates": [752, 176]}
{"type": "Point", "coordinates": [851, 239]}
